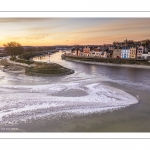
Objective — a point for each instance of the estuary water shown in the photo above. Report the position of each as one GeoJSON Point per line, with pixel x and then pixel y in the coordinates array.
{"type": "Point", "coordinates": [94, 99]}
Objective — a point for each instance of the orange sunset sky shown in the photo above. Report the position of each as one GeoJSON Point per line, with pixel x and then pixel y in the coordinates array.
{"type": "Point", "coordinates": [70, 31]}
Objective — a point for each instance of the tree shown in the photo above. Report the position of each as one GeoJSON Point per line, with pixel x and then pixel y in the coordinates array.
{"type": "Point", "coordinates": [30, 50]}
{"type": "Point", "coordinates": [147, 42]}
{"type": "Point", "coordinates": [14, 48]}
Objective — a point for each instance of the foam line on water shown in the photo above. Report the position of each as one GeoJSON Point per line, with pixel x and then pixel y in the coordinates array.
{"type": "Point", "coordinates": [19, 103]}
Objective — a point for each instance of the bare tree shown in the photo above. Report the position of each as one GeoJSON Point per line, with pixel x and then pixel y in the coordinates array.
{"type": "Point", "coordinates": [14, 48]}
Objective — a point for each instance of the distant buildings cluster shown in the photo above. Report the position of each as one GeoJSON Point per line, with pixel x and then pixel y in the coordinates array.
{"type": "Point", "coordinates": [124, 50]}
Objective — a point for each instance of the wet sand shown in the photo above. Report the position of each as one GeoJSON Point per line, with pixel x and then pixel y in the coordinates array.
{"type": "Point", "coordinates": [134, 118]}
{"type": "Point", "coordinates": [66, 121]}
{"type": "Point", "coordinates": [71, 93]}
{"type": "Point", "coordinates": [12, 68]}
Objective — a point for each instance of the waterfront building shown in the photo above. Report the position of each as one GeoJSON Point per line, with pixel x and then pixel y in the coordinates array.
{"type": "Point", "coordinates": [125, 52]}
{"type": "Point", "coordinates": [86, 51]}
{"type": "Point", "coordinates": [98, 52]}
{"type": "Point", "coordinates": [116, 52]}
{"type": "Point", "coordinates": [92, 53]}
{"type": "Point", "coordinates": [148, 54]}
{"type": "Point", "coordinates": [109, 53]}
{"type": "Point", "coordinates": [80, 52]}
{"type": "Point", "coordinates": [145, 53]}
{"type": "Point", "coordinates": [111, 47]}
{"type": "Point", "coordinates": [140, 51]}
{"type": "Point", "coordinates": [76, 52]}
{"type": "Point", "coordinates": [133, 52]}
{"type": "Point", "coordinates": [95, 52]}
{"type": "Point", "coordinates": [104, 54]}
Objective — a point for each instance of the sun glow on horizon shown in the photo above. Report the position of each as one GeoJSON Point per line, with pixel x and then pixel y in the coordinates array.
{"type": "Point", "coordinates": [71, 31]}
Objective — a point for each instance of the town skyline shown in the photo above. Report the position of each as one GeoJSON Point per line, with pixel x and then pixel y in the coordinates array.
{"type": "Point", "coordinates": [72, 31]}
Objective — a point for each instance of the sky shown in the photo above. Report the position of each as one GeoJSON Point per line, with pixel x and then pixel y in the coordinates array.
{"type": "Point", "coordinates": [70, 31]}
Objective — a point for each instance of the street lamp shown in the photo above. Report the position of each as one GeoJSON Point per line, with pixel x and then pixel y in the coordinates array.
{"type": "Point", "coordinates": [49, 56]}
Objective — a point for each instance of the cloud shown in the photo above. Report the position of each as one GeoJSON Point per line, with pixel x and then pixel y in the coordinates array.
{"type": "Point", "coordinates": [126, 25]}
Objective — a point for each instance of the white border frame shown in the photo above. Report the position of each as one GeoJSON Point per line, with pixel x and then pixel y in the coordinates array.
{"type": "Point", "coordinates": [119, 14]}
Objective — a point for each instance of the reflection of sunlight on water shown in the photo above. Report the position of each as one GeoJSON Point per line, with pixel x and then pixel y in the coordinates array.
{"type": "Point", "coordinates": [82, 72]}
{"type": "Point", "coordinates": [93, 68]}
{"type": "Point", "coordinates": [41, 58]}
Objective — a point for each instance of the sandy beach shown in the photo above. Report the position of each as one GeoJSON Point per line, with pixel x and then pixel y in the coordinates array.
{"type": "Point", "coordinates": [13, 67]}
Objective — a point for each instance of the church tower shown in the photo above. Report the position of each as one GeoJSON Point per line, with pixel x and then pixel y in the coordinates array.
{"type": "Point", "coordinates": [126, 42]}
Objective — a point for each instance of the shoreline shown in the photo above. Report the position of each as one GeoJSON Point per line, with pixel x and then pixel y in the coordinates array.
{"type": "Point", "coordinates": [109, 64]}
{"type": "Point", "coordinates": [17, 67]}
